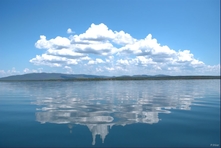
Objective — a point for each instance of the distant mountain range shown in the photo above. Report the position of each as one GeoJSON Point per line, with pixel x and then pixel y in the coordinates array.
{"type": "Point", "coordinates": [72, 77]}
{"type": "Point", "coordinates": [49, 76]}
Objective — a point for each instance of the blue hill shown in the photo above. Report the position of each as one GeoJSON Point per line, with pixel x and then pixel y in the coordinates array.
{"type": "Point", "coordinates": [48, 76]}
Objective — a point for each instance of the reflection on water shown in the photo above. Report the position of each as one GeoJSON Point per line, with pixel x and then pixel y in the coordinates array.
{"type": "Point", "coordinates": [102, 105]}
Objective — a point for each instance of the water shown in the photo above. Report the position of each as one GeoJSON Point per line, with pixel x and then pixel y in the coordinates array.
{"type": "Point", "coordinates": [110, 113]}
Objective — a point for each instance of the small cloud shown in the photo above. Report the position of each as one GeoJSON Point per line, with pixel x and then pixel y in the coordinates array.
{"type": "Point", "coordinates": [40, 70]}
{"type": "Point", "coordinates": [97, 61]}
{"type": "Point", "coordinates": [13, 71]}
{"type": "Point", "coordinates": [26, 70]}
{"type": "Point", "coordinates": [99, 70]}
{"type": "Point", "coordinates": [69, 31]}
{"type": "Point", "coordinates": [123, 62]}
{"type": "Point", "coordinates": [2, 73]}
{"type": "Point", "coordinates": [69, 69]}
{"type": "Point", "coordinates": [109, 68]}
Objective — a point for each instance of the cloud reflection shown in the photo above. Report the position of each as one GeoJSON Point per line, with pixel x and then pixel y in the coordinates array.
{"type": "Point", "coordinates": [99, 106]}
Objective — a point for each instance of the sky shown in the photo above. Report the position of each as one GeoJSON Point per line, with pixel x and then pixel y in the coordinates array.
{"type": "Point", "coordinates": [111, 37]}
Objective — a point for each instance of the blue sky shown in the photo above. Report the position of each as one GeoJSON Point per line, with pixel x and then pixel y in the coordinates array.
{"type": "Point", "coordinates": [176, 37]}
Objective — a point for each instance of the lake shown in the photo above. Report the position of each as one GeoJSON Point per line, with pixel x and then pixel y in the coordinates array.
{"type": "Point", "coordinates": [149, 113]}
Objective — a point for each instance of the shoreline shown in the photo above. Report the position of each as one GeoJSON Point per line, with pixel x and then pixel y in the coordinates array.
{"type": "Point", "coordinates": [125, 78]}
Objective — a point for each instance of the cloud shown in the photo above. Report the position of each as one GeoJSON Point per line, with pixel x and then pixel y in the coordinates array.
{"type": "Point", "coordinates": [56, 43]}
{"type": "Point", "coordinates": [122, 62]}
{"type": "Point", "coordinates": [69, 31]}
{"type": "Point", "coordinates": [26, 70]}
{"type": "Point", "coordinates": [96, 61]}
{"type": "Point", "coordinates": [13, 71]}
{"type": "Point", "coordinates": [2, 73]}
{"type": "Point", "coordinates": [109, 68]}
{"type": "Point", "coordinates": [108, 51]}
{"type": "Point", "coordinates": [68, 69]}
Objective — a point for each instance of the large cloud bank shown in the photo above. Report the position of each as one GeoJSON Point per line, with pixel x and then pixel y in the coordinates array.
{"type": "Point", "coordinates": [100, 50]}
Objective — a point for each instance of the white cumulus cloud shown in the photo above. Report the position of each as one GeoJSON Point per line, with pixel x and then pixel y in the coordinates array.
{"type": "Point", "coordinates": [106, 50]}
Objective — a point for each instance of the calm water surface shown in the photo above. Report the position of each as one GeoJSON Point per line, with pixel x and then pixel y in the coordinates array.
{"type": "Point", "coordinates": [110, 113]}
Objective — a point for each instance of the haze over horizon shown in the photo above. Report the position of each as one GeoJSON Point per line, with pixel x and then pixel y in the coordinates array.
{"type": "Point", "coordinates": [110, 38]}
